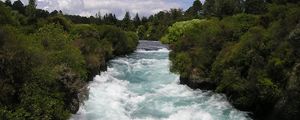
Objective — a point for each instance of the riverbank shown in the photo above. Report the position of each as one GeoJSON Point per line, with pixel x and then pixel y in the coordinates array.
{"type": "Point", "coordinates": [47, 61]}
{"type": "Point", "coordinates": [252, 58]}
{"type": "Point", "coordinates": [141, 87]}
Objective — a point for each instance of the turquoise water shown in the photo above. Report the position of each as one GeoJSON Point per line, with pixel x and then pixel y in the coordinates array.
{"type": "Point", "coordinates": [141, 87]}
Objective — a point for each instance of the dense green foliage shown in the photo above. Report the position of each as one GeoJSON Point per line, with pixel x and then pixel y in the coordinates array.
{"type": "Point", "coordinates": [221, 8]}
{"type": "Point", "coordinates": [46, 61]}
{"type": "Point", "coordinates": [247, 49]}
{"type": "Point", "coordinates": [148, 28]}
{"type": "Point", "coordinates": [195, 11]}
{"type": "Point", "coordinates": [252, 56]}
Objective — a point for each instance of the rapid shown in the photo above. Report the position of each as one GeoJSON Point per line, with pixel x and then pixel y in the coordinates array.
{"type": "Point", "coordinates": [141, 87]}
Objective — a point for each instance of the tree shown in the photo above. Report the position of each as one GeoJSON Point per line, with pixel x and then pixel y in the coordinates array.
{"type": "Point", "coordinates": [6, 15]}
{"type": "Point", "coordinates": [53, 13]}
{"type": "Point", "coordinates": [98, 18]}
{"type": "Point", "coordinates": [19, 6]}
{"type": "Point", "coordinates": [110, 19]}
{"type": "Point", "coordinates": [31, 9]}
{"type": "Point", "coordinates": [127, 17]}
{"type": "Point", "coordinates": [136, 20]}
{"type": "Point", "coordinates": [221, 8]}
{"type": "Point", "coordinates": [176, 14]}
{"type": "Point", "coordinates": [208, 7]}
{"type": "Point", "coordinates": [255, 6]}
{"type": "Point", "coordinates": [8, 3]}
{"type": "Point", "coordinates": [144, 20]}
{"type": "Point", "coordinates": [32, 3]}
{"type": "Point", "coordinates": [141, 31]}
{"type": "Point", "coordinates": [294, 39]}
{"type": "Point", "coordinates": [282, 1]}
{"type": "Point", "coordinates": [127, 23]}
{"type": "Point", "coordinates": [227, 7]}
{"type": "Point", "coordinates": [42, 13]}
{"type": "Point", "coordinates": [195, 10]}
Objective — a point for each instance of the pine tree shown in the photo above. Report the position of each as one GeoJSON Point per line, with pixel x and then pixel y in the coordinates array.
{"type": "Point", "coordinates": [137, 20]}
{"type": "Point", "coordinates": [127, 17]}
{"type": "Point", "coordinates": [176, 14]}
{"type": "Point", "coordinates": [19, 6]}
{"type": "Point", "coordinates": [53, 13]}
{"type": "Point", "coordinates": [98, 18]}
{"type": "Point", "coordinates": [109, 19]}
{"type": "Point", "coordinates": [208, 8]}
{"type": "Point", "coordinates": [255, 6]}
{"type": "Point", "coordinates": [31, 8]}
{"type": "Point", "coordinates": [221, 8]}
{"type": "Point", "coordinates": [195, 10]}
{"type": "Point", "coordinates": [127, 23]}
{"type": "Point", "coordinates": [227, 7]}
{"type": "Point", "coordinates": [144, 20]}
{"type": "Point", "coordinates": [8, 3]}
{"type": "Point", "coordinates": [32, 3]}
{"type": "Point", "coordinates": [113, 19]}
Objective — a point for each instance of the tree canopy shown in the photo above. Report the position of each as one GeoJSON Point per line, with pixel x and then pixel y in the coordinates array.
{"type": "Point", "coordinates": [248, 50]}
{"type": "Point", "coordinates": [47, 60]}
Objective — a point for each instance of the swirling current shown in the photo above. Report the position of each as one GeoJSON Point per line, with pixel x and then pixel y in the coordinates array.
{"type": "Point", "coordinates": [141, 87]}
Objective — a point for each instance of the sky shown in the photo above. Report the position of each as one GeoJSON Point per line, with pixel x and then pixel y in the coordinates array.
{"type": "Point", "coordinates": [118, 7]}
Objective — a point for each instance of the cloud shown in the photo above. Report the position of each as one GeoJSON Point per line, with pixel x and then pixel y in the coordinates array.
{"type": "Point", "coordinates": [118, 7]}
{"type": "Point", "coordinates": [143, 7]}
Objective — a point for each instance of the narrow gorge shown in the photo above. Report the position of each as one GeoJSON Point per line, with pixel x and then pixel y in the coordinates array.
{"type": "Point", "coordinates": [141, 87]}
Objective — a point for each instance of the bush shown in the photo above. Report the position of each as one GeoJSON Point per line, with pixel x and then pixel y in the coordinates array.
{"type": "Point", "coordinates": [198, 38]}
{"type": "Point", "coordinates": [34, 87]}
{"type": "Point", "coordinates": [60, 20]}
{"type": "Point", "coordinates": [178, 29]}
{"type": "Point", "coordinates": [121, 41]}
{"type": "Point", "coordinates": [7, 16]}
{"type": "Point", "coordinates": [46, 63]}
{"type": "Point", "coordinates": [235, 26]}
{"type": "Point", "coordinates": [132, 41]}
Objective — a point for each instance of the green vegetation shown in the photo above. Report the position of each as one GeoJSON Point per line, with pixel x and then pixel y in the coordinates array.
{"type": "Point", "coordinates": [248, 51]}
{"type": "Point", "coordinates": [46, 61]}
{"type": "Point", "coordinates": [148, 28]}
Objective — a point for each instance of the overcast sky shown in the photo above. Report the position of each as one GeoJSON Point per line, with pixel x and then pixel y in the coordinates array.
{"type": "Point", "coordinates": [118, 7]}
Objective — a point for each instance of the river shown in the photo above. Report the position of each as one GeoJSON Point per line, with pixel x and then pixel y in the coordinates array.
{"type": "Point", "coordinates": [141, 87]}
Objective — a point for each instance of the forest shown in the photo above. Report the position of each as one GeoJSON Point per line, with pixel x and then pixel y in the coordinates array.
{"type": "Point", "coordinates": [46, 60]}
{"type": "Point", "coordinates": [248, 50]}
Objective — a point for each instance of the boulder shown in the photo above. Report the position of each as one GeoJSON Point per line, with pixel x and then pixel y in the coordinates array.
{"type": "Point", "coordinates": [203, 84]}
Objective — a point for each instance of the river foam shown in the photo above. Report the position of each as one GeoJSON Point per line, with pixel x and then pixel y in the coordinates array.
{"type": "Point", "coordinates": [141, 87]}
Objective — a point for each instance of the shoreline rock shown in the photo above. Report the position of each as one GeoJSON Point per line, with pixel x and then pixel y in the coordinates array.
{"type": "Point", "coordinates": [203, 84]}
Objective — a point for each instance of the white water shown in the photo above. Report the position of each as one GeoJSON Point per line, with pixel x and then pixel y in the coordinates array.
{"type": "Point", "coordinates": [140, 87]}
